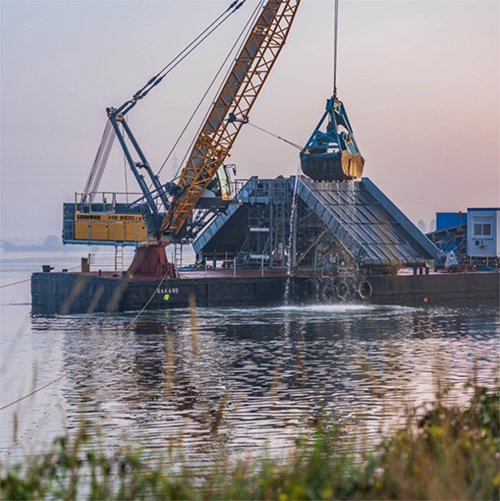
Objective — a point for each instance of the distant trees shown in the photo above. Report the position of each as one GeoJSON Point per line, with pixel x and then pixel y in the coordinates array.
{"type": "Point", "coordinates": [52, 241]}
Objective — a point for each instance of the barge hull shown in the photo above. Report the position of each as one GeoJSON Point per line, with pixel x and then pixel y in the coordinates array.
{"type": "Point", "coordinates": [63, 293]}
{"type": "Point", "coordinates": [69, 293]}
{"type": "Point", "coordinates": [440, 289]}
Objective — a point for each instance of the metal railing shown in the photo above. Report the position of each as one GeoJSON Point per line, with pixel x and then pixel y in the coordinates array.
{"type": "Point", "coordinates": [106, 199]}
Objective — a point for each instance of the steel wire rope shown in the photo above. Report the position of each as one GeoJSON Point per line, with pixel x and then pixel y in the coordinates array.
{"type": "Point", "coordinates": [157, 80]}
{"type": "Point", "coordinates": [164, 276]}
{"type": "Point", "coordinates": [235, 5]}
{"type": "Point", "coordinates": [28, 279]}
{"type": "Point", "coordinates": [246, 30]}
{"type": "Point", "coordinates": [24, 397]}
{"type": "Point", "coordinates": [99, 161]}
{"type": "Point", "coordinates": [335, 44]}
{"type": "Point", "coordinates": [102, 165]}
{"type": "Point", "coordinates": [99, 165]}
{"type": "Point", "coordinates": [243, 32]}
{"type": "Point", "coordinates": [295, 145]}
{"type": "Point", "coordinates": [145, 306]}
{"type": "Point", "coordinates": [98, 156]}
{"type": "Point", "coordinates": [127, 327]}
{"type": "Point", "coordinates": [104, 151]}
{"type": "Point", "coordinates": [15, 283]}
{"type": "Point", "coordinates": [125, 170]}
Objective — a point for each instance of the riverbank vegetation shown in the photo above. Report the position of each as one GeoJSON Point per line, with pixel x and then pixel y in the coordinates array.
{"type": "Point", "coordinates": [446, 452]}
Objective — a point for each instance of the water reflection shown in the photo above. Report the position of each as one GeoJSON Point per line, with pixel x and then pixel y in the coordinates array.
{"type": "Point", "coordinates": [258, 373]}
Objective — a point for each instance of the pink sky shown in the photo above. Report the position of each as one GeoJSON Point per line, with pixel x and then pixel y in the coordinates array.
{"type": "Point", "coordinates": [419, 79]}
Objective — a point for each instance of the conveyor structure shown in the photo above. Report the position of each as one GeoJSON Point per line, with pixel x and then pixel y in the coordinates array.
{"type": "Point", "coordinates": [305, 224]}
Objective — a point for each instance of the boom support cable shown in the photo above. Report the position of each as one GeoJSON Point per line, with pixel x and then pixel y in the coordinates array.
{"type": "Point", "coordinates": [108, 137]}
{"type": "Point", "coordinates": [100, 161]}
{"type": "Point", "coordinates": [231, 109]}
{"type": "Point", "coordinates": [295, 145]}
{"type": "Point", "coordinates": [154, 81]}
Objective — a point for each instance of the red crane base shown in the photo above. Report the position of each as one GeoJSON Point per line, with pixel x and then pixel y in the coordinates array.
{"type": "Point", "coordinates": [152, 261]}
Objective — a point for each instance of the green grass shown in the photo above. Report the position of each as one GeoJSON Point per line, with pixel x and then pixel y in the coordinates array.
{"type": "Point", "coordinates": [447, 453]}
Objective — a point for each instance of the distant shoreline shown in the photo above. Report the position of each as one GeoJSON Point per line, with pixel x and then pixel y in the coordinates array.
{"type": "Point", "coordinates": [37, 248]}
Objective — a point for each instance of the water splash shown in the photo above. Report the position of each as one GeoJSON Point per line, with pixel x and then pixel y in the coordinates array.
{"type": "Point", "coordinates": [291, 240]}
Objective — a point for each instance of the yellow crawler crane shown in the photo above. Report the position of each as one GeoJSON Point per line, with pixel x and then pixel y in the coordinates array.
{"type": "Point", "coordinates": [162, 211]}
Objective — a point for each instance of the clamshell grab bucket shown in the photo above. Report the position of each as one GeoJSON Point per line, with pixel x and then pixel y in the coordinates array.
{"type": "Point", "coordinates": [340, 167]}
{"type": "Point", "coordinates": [332, 155]}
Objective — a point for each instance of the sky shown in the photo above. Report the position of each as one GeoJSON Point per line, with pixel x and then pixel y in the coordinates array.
{"type": "Point", "coordinates": [419, 80]}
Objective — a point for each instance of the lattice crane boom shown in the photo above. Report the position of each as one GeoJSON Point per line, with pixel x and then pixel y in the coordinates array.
{"type": "Point", "coordinates": [230, 110]}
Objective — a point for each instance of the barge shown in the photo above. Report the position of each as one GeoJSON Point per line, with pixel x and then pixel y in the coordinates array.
{"type": "Point", "coordinates": [328, 236]}
{"type": "Point", "coordinates": [284, 241]}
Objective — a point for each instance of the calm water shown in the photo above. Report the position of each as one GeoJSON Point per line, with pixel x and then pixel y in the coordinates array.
{"type": "Point", "coordinates": [242, 378]}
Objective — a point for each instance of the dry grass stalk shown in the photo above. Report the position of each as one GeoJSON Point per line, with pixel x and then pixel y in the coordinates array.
{"type": "Point", "coordinates": [194, 326]}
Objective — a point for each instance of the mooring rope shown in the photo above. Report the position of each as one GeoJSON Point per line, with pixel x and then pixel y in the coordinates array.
{"type": "Point", "coordinates": [15, 283]}
{"type": "Point", "coordinates": [24, 397]}
{"type": "Point", "coordinates": [28, 279]}
{"type": "Point", "coordinates": [33, 392]}
{"type": "Point", "coordinates": [146, 305]}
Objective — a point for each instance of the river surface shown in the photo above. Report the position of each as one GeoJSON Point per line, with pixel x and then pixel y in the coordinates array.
{"type": "Point", "coordinates": [243, 378]}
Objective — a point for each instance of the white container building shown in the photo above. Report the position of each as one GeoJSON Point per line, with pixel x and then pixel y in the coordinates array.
{"type": "Point", "coordinates": [483, 232]}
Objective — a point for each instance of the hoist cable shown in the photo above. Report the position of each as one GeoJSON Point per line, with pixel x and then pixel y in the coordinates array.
{"type": "Point", "coordinates": [231, 51]}
{"type": "Point", "coordinates": [243, 34]}
{"type": "Point", "coordinates": [335, 42]}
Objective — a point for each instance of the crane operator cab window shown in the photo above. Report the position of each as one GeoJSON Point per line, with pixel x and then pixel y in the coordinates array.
{"type": "Point", "coordinates": [220, 185]}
